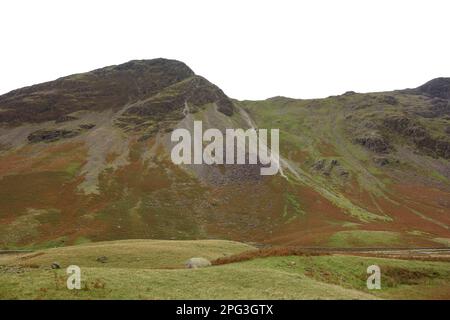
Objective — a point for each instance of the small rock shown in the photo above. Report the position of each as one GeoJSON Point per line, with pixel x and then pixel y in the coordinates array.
{"type": "Point", "coordinates": [291, 263]}
{"type": "Point", "coordinates": [334, 162]}
{"type": "Point", "coordinates": [381, 161]}
{"type": "Point", "coordinates": [343, 172]}
{"type": "Point", "coordinates": [65, 119]}
{"type": "Point", "coordinates": [319, 164]}
{"type": "Point", "coordinates": [87, 126]}
{"type": "Point", "coordinates": [102, 259]}
{"type": "Point", "coordinates": [55, 265]}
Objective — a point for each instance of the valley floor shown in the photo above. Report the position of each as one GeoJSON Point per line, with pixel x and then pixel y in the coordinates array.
{"type": "Point", "coordinates": [154, 269]}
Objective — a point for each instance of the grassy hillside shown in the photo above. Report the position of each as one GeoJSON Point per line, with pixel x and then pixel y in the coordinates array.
{"type": "Point", "coordinates": [148, 254]}
{"type": "Point", "coordinates": [368, 164]}
{"type": "Point", "coordinates": [139, 269]}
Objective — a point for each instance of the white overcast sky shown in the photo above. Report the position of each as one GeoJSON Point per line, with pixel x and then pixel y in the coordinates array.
{"type": "Point", "coordinates": [251, 49]}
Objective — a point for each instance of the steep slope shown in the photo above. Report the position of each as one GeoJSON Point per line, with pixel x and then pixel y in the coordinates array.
{"type": "Point", "coordinates": [87, 158]}
{"type": "Point", "coordinates": [386, 153]}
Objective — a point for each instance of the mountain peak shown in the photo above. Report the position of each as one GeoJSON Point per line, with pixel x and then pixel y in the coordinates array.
{"type": "Point", "coordinates": [110, 87]}
{"type": "Point", "coordinates": [438, 87]}
{"type": "Point", "coordinates": [150, 65]}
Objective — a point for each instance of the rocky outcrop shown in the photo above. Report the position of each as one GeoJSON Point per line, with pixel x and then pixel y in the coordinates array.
{"type": "Point", "coordinates": [439, 87]}
{"type": "Point", "coordinates": [397, 123]}
{"type": "Point", "coordinates": [51, 135]}
{"type": "Point", "coordinates": [163, 110]}
{"type": "Point", "coordinates": [433, 146]}
{"type": "Point", "coordinates": [373, 142]}
{"type": "Point", "coordinates": [329, 166]}
{"type": "Point", "coordinates": [87, 126]}
{"type": "Point", "coordinates": [419, 135]}
{"type": "Point", "coordinates": [107, 88]}
{"type": "Point", "coordinates": [196, 91]}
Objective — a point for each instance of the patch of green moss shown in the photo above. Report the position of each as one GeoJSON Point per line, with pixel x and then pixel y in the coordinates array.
{"type": "Point", "coordinates": [364, 238]}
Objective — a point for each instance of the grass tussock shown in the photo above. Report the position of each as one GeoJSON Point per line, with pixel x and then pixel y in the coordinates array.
{"type": "Point", "coordinates": [394, 276]}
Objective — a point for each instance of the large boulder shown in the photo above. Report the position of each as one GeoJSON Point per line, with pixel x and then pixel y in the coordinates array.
{"type": "Point", "coordinates": [194, 263]}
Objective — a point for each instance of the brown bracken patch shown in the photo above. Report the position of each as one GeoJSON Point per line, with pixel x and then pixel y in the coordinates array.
{"type": "Point", "coordinates": [267, 252]}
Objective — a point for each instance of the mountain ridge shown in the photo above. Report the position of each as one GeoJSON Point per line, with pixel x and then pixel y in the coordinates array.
{"type": "Point", "coordinates": [87, 158]}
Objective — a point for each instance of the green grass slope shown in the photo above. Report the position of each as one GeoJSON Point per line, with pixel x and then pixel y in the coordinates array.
{"type": "Point", "coordinates": [147, 254]}
{"type": "Point", "coordinates": [139, 269]}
